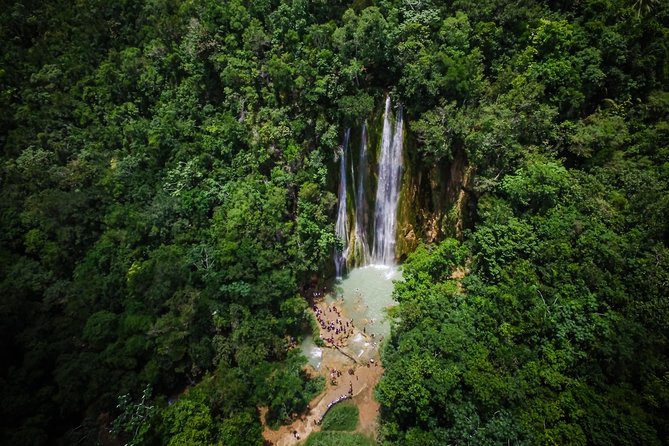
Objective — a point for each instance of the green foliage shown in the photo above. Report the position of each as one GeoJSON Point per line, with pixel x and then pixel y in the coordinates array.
{"type": "Point", "coordinates": [362, 40]}
{"type": "Point", "coordinates": [242, 429]}
{"type": "Point", "coordinates": [287, 390]}
{"type": "Point", "coordinates": [438, 132]}
{"type": "Point", "coordinates": [337, 438]}
{"type": "Point", "coordinates": [537, 187]}
{"type": "Point", "coordinates": [135, 419]}
{"type": "Point", "coordinates": [154, 225]}
{"type": "Point", "coordinates": [187, 422]}
{"type": "Point", "coordinates": [342, 417]}
{"type": "Point", "coordinates": [544, 332]}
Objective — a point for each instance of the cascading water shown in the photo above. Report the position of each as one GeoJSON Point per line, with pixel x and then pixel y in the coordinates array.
{"type": "Point", "coordinates": [388, 189]}
{"type": "Point", "coordinates": [341, 228]}
{"type": "Point", "coordinates": [356, 250]}
{"type": "Point", "coordinates": [361, 253]}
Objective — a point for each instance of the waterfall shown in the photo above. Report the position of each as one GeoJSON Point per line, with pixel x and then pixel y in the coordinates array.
{"type": "Point", "coordinates": [388, 188]}
{"type": "Point", "coordinates": [341, 226]}
{"type": "Point", "coordinates": [353, 234]}
{"type": "Point", "coordinates": [361, 253]}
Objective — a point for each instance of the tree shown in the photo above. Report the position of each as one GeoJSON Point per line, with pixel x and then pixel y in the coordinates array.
{"type": "Point", "coordinates": [135, 419]}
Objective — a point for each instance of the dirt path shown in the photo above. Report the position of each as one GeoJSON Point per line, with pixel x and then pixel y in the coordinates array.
{"type": "Point", "coordinates": [335, 368]}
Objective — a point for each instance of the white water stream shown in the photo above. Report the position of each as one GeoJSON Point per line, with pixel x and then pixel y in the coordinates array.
{"type": "Point", "coordinates": [388, 189]}
{"type": "Point", "coordinates": [341, 226]}
{"type": "Point", "coordinates": [356, 248]}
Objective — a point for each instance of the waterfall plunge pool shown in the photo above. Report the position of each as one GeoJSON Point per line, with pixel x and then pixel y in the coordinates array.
{"type": "Point", "coordinates": [367, 293]}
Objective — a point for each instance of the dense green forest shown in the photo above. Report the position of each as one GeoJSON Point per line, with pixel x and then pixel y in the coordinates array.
{"type": "Point", "coordinates": [168, 191]}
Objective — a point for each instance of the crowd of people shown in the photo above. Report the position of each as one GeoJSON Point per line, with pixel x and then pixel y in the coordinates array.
{"type": "Point", "coordinates": [334, 328]}
{"type": "Point", "coordinates": [334, 374]}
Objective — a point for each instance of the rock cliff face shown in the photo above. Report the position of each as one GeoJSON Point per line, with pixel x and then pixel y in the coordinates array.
{"type": "Point", "coordinates": [434, 202]}
{"type": "Point", "coordinates": [433, 199]}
